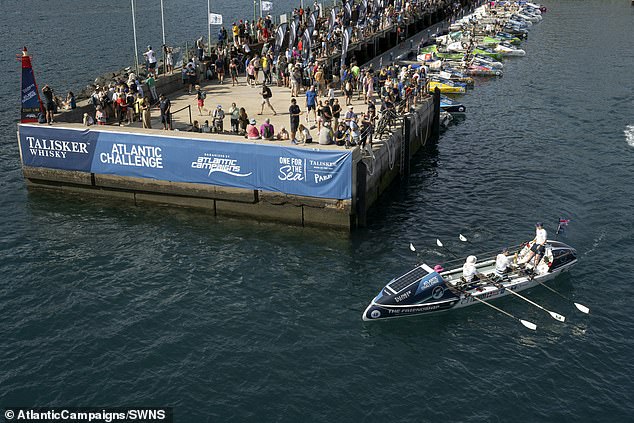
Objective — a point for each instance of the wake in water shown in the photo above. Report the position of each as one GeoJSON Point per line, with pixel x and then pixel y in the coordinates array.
{"type": "Point", "coordinates": [629, 135]}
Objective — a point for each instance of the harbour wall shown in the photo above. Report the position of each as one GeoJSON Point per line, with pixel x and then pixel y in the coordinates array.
{"type": "Point", "coordinates": [322, 186]}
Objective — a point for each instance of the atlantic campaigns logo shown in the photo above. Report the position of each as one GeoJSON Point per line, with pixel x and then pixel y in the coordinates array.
{"type": "Point", "coordinates": [55, 148]}
{"type": "Point", "coordinates": [134, 155]}
{"type": "Point", "coordinates": [222, 163]}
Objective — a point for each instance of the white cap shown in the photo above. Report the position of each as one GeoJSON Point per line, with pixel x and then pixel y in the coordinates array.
{"type": "Point", "coordinates": [472, 259]}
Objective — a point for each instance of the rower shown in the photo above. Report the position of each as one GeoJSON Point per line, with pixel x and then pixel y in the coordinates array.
{"type": "Point", "coordinates": [502, 263]}
{"type": "Point", "coordinates": [469, 271]}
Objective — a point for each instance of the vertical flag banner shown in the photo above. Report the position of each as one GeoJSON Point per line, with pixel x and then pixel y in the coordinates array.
{"type": "Point", "coordinates": [333, 18]}
{"type": "Point", "coordinates": [215, 19]}
{"type": "Point", "coordinates": [347, 34]}
{"type": "Point", "coordinates": [306, 41]}
{"type": "Point", "coordinates": [293, 34]}
{"type": "Point", "coordinates": [280, 34]}
{"type": "Point", "coordinates": [31, 103]}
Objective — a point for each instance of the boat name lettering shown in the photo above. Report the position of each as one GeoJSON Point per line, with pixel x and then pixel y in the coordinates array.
{"type": "Point", "coordinates": [55, 148]}
{"type": "Point", "coordinates": [414, 309]}
{"type": "Point", "coordinates": [403, 296]}
{"type": "Point", "coordinates": [134, 155]}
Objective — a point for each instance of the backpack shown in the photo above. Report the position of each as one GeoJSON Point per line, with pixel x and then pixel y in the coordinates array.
{"type": "Point", "coordinates": [203, 95]}
{"type": "Point", "coordinates": [267, 93]}
{"type": "Point", "coordinates": [267, 132]}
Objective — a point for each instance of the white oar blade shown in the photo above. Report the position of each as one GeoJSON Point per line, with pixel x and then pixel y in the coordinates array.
{"type": "Point", "coordinates": [462, 238]}
{"type": "Point", "coordinates": [438, 243]}
{"type": "Point", "coordinates": [411, 247]}
{"type": "Point", "coordinates": [557, 316]}
{"type": "Point", "coordinates": [531, 326]}
{"type": "Point", "coordinates": [582, 308]}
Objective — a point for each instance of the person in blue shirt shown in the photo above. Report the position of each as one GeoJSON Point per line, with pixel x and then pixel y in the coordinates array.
{"type": "Point", "coordinates": [311, 102]}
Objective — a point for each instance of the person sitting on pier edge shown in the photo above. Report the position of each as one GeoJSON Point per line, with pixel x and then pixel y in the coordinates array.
{"type": "Point", "coordinates": [304, 134]}
{"type": "Point", "coordinates": [267, 131]}
{"type": "Point", "coordinates": [243, 121]}
{"type": "Point", "coordinates": [341, 135]}
{"type": "Point", "coordinates": [252, 131]}
{"type": "Point", "coordinates": [283, 135]}
{"type": "Point", "coordinates": [205, 129]}
{"type": "Point", "coordinates": [502, 263]}
{"type": "Point", "coordinates": [539, 245]}
{"type": "Point", "coordinates": [326, 134]}
{"type": "Point", "coordinates": [469, 271]}
{"type": "Point", "coordinates": [195, 127]}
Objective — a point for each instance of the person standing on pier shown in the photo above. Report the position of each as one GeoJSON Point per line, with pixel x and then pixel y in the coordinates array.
{"type": "Point", "coordinates": [150, 81]}
{"type": "Point", "coordinates": [266, 99]}
{"type": "Point", "coordinates": [234, 114]}
{"type": "Point", "coordinates": [200, 100]}
{"type": "Point", "coordinates": [166, 108]}
{"type": "Point", "coordinates": [145, 113]}
{"type": "Point", "coordinates": [150, 56]}
{"type": "Point", "coordinates": [49, 103]}
{"type": "Point", "coordinates": [294, 111]}
{"type": "Point", "coordinates": [311, 103]}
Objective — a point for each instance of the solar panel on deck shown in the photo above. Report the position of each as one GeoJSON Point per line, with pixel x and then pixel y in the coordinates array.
{"type": "Point", "coordinates": [405, 280]}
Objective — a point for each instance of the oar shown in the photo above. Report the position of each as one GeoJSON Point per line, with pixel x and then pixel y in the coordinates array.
{"type": "Point", "coordinates": [580, 307]}
{"type": "Point", "coordinates": [554, 315]}
{"type": "Point", "coordinates": [530, 325]}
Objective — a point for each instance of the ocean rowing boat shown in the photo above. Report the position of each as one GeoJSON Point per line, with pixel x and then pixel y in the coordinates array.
{"type": "Point", "coordinates": [425, 291]}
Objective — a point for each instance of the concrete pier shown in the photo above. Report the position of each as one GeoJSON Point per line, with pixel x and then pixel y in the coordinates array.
{"type": "Point", "coordinates": [366, 175]}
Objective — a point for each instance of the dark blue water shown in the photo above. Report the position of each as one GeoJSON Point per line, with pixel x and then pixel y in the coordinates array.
{"type": "Point", "coordinates": [106, 304]}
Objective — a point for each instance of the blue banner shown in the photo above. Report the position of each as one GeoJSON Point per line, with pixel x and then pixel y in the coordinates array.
{"type": "Point", "coordinates": [57, 148]}
{"type": "Point", "coordinates": [289, 170]}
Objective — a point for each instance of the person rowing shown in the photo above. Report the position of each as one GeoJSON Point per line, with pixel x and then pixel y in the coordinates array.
{"type": "Point", "coordinates": [469, 271]}
{"type": "Point", "coordinates": [502, 263]}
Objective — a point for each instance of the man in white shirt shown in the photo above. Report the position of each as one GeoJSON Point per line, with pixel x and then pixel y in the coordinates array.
{"type": "Point", "coordinates": [469, 269]}
{"type": "Point", "coordinates": [539, 245]}
{"type": "Point", "coordinates": [151, 60]}
{"type": "Point", "coordinates": [502, 263]}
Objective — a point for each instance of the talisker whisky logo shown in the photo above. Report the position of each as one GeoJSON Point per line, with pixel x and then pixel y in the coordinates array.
{"type": "Point", "coordinates": [55, 148]}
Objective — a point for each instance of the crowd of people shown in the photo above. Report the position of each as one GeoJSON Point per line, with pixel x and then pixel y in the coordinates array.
{"type": "Point", "coordinates": [321, 92]}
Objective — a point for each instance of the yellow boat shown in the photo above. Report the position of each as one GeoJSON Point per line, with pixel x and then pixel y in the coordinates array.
{"type": "Point", "coordinates": [449, 87]}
